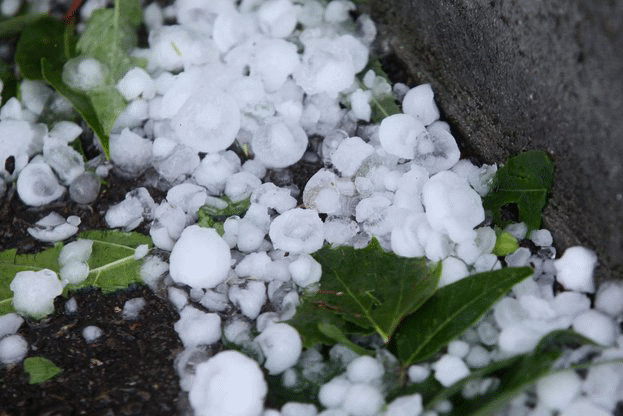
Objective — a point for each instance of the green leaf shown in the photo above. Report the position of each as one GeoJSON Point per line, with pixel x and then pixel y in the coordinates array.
{"type": "Point", "coordinates": [9, 81]}
{"type": "Point", "coordinates": [40, 369]}
{"type": "Point", "coordinates": [132, 10]}
{"type": "Point", "coordinates": [81, 102]}
{"type": "Point", "coordinates": [370, 288]}
{"type": "Point", "coordinates": [382, 106]}
{"type": "Point", "coordinates": [525, 180]}
{"type": "Point", "coordinates": [108, 104]}
{"type": "Point", "coordinates": [14, 25]}
{"type": "Point", "coordinates": [211, 216]}
{"type": "Point", "coordinates": [43, 39]}
{"type": "Point", "coordinates": [335, 333]}
{"type": "Point", "coordinates": [110, 37]}
{"type": "Point", "coordinates": [505, 244]}
{"type": "Point", "coordinates": [519, 373]}
{"type": "Point", "coordinates": [112, 263]}
{"type": "Point", "coordinates": [451, 311]}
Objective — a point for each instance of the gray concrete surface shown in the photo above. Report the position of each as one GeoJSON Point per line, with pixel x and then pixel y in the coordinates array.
{"type": "Point", "coordinates": [512, 75]}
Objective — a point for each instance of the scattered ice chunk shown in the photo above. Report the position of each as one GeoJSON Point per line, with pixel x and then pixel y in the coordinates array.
{"type": "Point", "coordinates": [178, 297]}
{"type": "Point", "coordinates": [271, 196]}
{"type": "Point", "coordinates": [305, 270]}
{"type": "Point", "coordinates": [333, 393]}
{"type": "Point", "coordinates": [200, 258]}
{"type": "Point", "coordinates": [141, 251]}
{"type": "Point", "coordinates": [338, 11]}
{"type": "Point", "coordinates": [188, 197]}
{"type": "Point", "coordinates": [408, 192]}
{"type": "Point", "coordinates": [196, 327]}
{"type": "Point", "coordinates": [9, 324]}
{"type": "Point", "coordinates": [71, 306]}
{"type": "Point", "coordinates": [410, 405]}
{"type": "Point", "coordinates": [364, 369]}
{"type": "Point", "coordinates": [132, 308]}
{"type": "Point", "coordinates": [274, 61]}
{"type": "Point", "coordinates": [13, 349]}
{"type": "Point", "coordinates": [241, 185]}
{"type": "Point", "coordinates": [339, 231]}
{"type": "Point", "coordinates": [487, 333]}
{"type": "Point", "coordinates": [399, 135]}
{"type": "Point", "coordinates": [542, 238]}
{"type": "Point", "coordinates": [250, 298]}
{"type": "Point", "coordinates": [215, 169]}
{"type": "Point", "coordinates": [35, 95]}
{"type": "Point", "coordinates": [458, 348]}
{"type": "Point", "coordinates": [214, 301]}
{"type": "Point", "coordinates": [596, 326]}
{"type": "Point", "coordinates": [74, 272]}
{"type": "Point", "coordinates": [350, 154]}
{"type": "Point", "coordinates": [418, 373]}
{"type": "Point", "coordinates": [34, 292]}
{"type": "Point", "coordinates": [518, 258]}
{"type": "Point", "coordinates": [10, 8]}
{"type": "Point", "coordinates": [85, 188]}
{"type": "Point", "coordinates": [452, 270]}
{"type": "Point", "coordinates": [152, 271]}
{"type": "Point", "coordinates": [297, 230]}
{"type": "Point", "coordinates": [452, 206]}
{"type": "Point", "coordinates": [91, 333]}
{"type": "Point", "coordinates": [574, 270]}
{"type": "Point", "coordinates": [279, 144]}
{"type": "Point", "coordinates": [518, 339]}
{"type": "Point", "coordinates": [208, 121]}
{"type": "Point", "coordinates": [518, 230]}
{"type": "Point", "coordinates": [129, 213]}
{"type": "Point", "coordinates": [130, 152]}
{"type": "Point", "coordinates": [53, 227]}
{"type": "Point", "coordinates": [536, 307]}
{"type": "Point", "coordinates": [404, 237]}
{"type": "Point", "coordinates": [609, 298]}
{"type": "Point", "coordinates": [37, 185]}
{"type": "Point", "coordinates": [233, 28]}
{"type": "Point", "coordinates": [228, 384]}
{"type": "Point", "coordinates": [137, 82]}
{"type": "Point", "coordinates": [450, 369]}
{"type": "Point", "coordinates": [556, 391]}
{"type": "Point", "coordinates": [602, 384]}
{"type": "Point", "coordinates": [360, 104]}
{"type": "Point", "coordinates": [76, 251]}
{"type": "Point", "coordinates": [180, 162]}
{"type": "Point", "coordinates": [84, 73]}
{"type": "Point", "coordinates": [281, 345]}
{"type": "Point", "coordinates": [419, 102]}
{"type": "Point", "coordinates": [298, 409]}
{"type": "Point", "coordinates": [478, 357]}
{"type": "Point", "coordinates": [362, 400]}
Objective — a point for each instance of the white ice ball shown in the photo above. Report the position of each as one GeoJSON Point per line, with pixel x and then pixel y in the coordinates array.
{"type": "Point", "coordinates": [574, 270]}
{"type": "Point", "coordinates": [297, 230]}
{"type": "Point", "coordinates": [34, 292]}
{"type": "Point", "coordinates": [281, 345]}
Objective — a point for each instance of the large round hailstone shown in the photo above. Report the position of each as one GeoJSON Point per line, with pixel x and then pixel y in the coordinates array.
{"type": "Point", "coordinates": [85, 74]}
{"type": "Point", "coordinates": [436, 150]}
{"type": "Point", "coordinates": [399, 134]}
{"type": "Point", "coordinates": [228, 384]}
{"type": "Point", "coordinates": [452, 206]}
{"type": "Point", "coordinates": [34, 292]}
{"type": "Point", "coordinates": [297, 230]}
{"type": "Point", "coordinates": [37, 185]}
{"type": "Point", "coordinates": [420, 103]}
{"type": "Point", "coordinates": [281, 345]}
{"type": "Point", "coordinates": [200, 258]}
{"type": "Point", "coordinates": [279, 144]}
{"type": "Point", "coordinates": [208, 121]}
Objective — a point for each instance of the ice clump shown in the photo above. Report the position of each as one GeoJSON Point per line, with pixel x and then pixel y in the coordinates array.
{"type": "Point", "coordinates": [74, 272]}
{"type": "Point", "coordinates": [281, 345]}
{"type": "Point", "coordinates": [228, 384]}
{"type": "Point", "coordinates": [9, 324]}
{"type": "Point", "coordinates": [279, 144]}
{"type": "Point", "coordinates": [34, 292]}
{"type": "Point", "coordinates": [350, 154]}
{"type": "Point", "coordinates": [130, 213]}
{"type": "Point", "coordinates": [137, 82]}
{"type": "Point", "coordinates": [419, 102]}
{"type": "Point", "coordinates": [609, 298]}
{"type": "Point", "coordinates": [196, 327]}
{"type": "Point", "coordinates": [305, 270]}
{"type": "Point", "coordinates": [53, 227]}
{"type": "Point", "coordinates": [174, 47]}
{"type": "Point", "coordinates": [362, 400]}
{"type": "Point", "coordinates": [364, 369]}
{"type": "Point", "coordinates": [557, 391]}
{"type": "Point", "coordinates": [132, 308]}
{"type": "Point", "coordinates": [405, 406]}
{"type": "Point", "coordinates": [91, 333]}
{"type": "Point", "coordinates": [37, 185]}
{"type": "Point", "coordinates": [85, 73]}
{"type": "Point", "coordinates": [13, 349]}
{"type": "Point", "coordinates": [333, 393]}
{"type": "Point", "coordinates": [85, 188]}
{"type": "Point", "coordinates": [30, 142]}
{"type": "Point", "coordinates": [297, 230]}
{"type": "Point", "coordinates": [596, 326]}
{"type": "Point", "coordinates": [399, 135]}
{"type": "Point", "coordinates": [450, 369]}
{"type": "Point", "coordinates": [215, 169]}
{"type": "Point", "coordinates": [200, 258]}
{"type": "Point", "coordinates": [130, 152]}
{"type": "Point", "coordinates": [298, 409]}
{"type": "Point", "coordinates": [249, 298]}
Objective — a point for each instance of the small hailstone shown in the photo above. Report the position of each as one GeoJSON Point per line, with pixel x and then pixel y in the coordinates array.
{"type": "Point", "coordinates": [557, 391]}
{"type": "Point", "coordinates": [152, 270]}
{"type": "Point", "coordinates": [574, 270]}
{"type": "Point", "coordinates": [74, 272]}
{"type": "Point", "coordinates": [281, 345]}
{"type": "Point", "coordinates": [215, 169]}
{"type": "Point", "coordinates": [141, 251]}
{"type": "Point", "coordinates": [488, 333]}
{"type": "Point", "coordinates": [298, 409]}
{"type": "Point", "coordinates": [405, 406]}
{"type": "Point", "coordinates": [132, 308]}
{"type": "Point", "coordinates": [34, 292]}
{"type": "Point", "coordinates": [450, 369]}
{"type": "Point", "coordinates": [305, 270]}
{"type": "Point", "coordinates": [360, 104]}
{"type": "Point", "coordinates": [85, 188]}
{"type": "Point", "coordinates": [250, 298]}
{"type": "Point", "coordinates": [91, 333]}
{"type": "Point", "coordinates": [13, 349]}
{"type": "Point", "coordinates": [518, 258]}
{"type": "Point", "coordinates": [508, 311]}
{"type": "Point", "coordinates": [10, 8]}
{"type": "Point", "coordinates": [419, 102]}
{"type": "Point", "coordinates": [418, 373]}
{"type": "Point", "coordinates": [297, 230]}
{"type": "Point", "coordinates": [602, 384]}
{"type": "Point", "coordinates": [53, 227]}
{"type": "Point", "coordinates": [517, 230]}
{"type": "Point", "coordinates": [518, 339]}
{"type": "Point", "coordinates": [71, 306]}
{"type": "Point", "coordinates": [364, 369]}
{"type": "Point", "coordinates": [570, 303]}
{"type": "Point", "coordinates": [333, 393]}
{"type": "Point", "coordinates": [200, 258]}
{"type": "Point", "coordinates": [129, 213]}
{"type": "Point", "coordinates": [609, 298]}
{"type": "Point", "coordinates": [452, 270]}
{"type": "Point", "coordinates": [196, 327]}
{"type": "Point", "coordinates": [229, 383]}
{"type": "Point", "coordinates": [458, 348]}
{"type": "Point", "coordinates": [478, 357]}
{"type": "Point", "coordinates": [399, 134]}
{"type": "Point", "coordinates": [37, 185]}
{"type": "Point", "coordinates": [84, 73]}
{"type": "Point", "coordinates": [214, 301]}
{"type": "Point", "coordinates": [137, 82]}
{"type": "Point", "coordinates": [583, 407]}
{"type": "Point", "coordinates": [536, 307]}
{"type": "Point", "coordinates": [362, 400]}
{"type": "Point", "coordinates": [277, 18]}
{"type": "Point", "coordinates": [10, 323]}
{"type": "Point", "coordinates": [130, 152]}
{"type": "Point", "coordinates": [279, 144]}
{"type": "Point", "coordinates": [542, 238]}
{"type": "Point", "coordinates": [237, 331]}
{"type": "Point", "coordinates": [76, 251]}
{"type": "Point", "coordinates": [596, 326]}
{"type": "Point", "coordinates": [436, 149]}
{"type": "Point", "coordinates": [241, 185]}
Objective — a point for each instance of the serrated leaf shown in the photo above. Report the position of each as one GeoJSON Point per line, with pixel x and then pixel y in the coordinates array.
{"type": "Point", "coordinates": [451, 311]}
{"type": "Point", "coordinates": [112, 264]}
{"type": "Point", "coordinates": [520, 373]}
{"type": "Point", "coordinates": [525, 180]}
{"type": "Point", "coordinates": [44, 38]}
{"type": "Point", "coordinates": [80, 101]}
{"type": "Point", "coordinates": [369, 288]}
{"type": "Point", "coordinates": [40, 369]}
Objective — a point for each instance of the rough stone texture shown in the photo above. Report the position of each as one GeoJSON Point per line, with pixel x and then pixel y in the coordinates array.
{"type": "Point", "coordinates": [512, 75]}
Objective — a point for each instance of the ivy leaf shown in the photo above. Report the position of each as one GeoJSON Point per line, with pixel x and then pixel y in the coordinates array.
{"type": "Point", "coordinates": [42, 39]}
{"type": "Point", "coordinates": [451, 311]}
{"type": "Point", "coordinates": [40, 369]}
{"type": "Point", "coordinates": [370, 288]}
{"type": "Point", "coordinates": [525, 180]}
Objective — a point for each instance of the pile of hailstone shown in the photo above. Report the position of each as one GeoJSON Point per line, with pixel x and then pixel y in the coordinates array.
{"type": "Point", "coordinates": [269, 77]}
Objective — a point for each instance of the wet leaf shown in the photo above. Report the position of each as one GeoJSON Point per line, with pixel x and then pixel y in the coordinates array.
{"type": "Point", "coordinates": [43, 39]}
{"type": "Point", "coordinates": [382, 106]}
{"type": "Point", "coordinates": [451, 311]}
{"type": "Point", "coordinates": [40, 369]}
{"type": "Point", "coordinates": [14, 25]}
{"type": "Point", "coordinates": [370, 288]}
{"type": "Point", "coordinates": [525, 180]}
